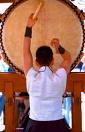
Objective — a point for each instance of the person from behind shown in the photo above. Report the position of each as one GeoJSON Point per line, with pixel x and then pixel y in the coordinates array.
{"type": "Point", "coordinates": [44, 86]}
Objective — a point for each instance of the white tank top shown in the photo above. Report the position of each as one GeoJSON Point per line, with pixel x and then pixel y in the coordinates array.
{"type": "Point", "coordinates": [45, 90]}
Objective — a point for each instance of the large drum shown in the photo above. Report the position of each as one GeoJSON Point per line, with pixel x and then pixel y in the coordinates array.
{"type": "Point", "coordinates": [56, 19]}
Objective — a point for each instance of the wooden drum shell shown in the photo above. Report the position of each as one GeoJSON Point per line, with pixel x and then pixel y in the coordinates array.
{"type": "Point", "coordinates": [56, 19]}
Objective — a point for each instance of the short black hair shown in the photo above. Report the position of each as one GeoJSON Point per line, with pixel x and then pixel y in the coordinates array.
{"type": "Point", "coordinates": [44, 55]}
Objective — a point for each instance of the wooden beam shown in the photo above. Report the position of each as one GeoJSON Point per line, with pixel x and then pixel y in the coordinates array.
{"type": "Point", "coordinates": [16, 79]}
{"type": "Point", "coordinates": [7, 1]}
{"type": "Point", "coordinates": [9, 106]}
{"type": "Point", "coordinates": [76, 107]}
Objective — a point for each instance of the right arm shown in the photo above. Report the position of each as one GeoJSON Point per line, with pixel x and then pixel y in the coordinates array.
{"type": "Point", "coordinates": [27, 55]}
{"type": "Point", "coordinates": [66, 61]}
{"type": "Point", "coordinates": [64, 54]}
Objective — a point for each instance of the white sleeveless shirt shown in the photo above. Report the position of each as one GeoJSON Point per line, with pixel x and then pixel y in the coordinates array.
{"type": "Point", "coordinates": [45, 90]}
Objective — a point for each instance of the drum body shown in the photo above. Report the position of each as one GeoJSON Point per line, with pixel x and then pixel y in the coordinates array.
{"type": "Point", "coordinates": [57, 19]}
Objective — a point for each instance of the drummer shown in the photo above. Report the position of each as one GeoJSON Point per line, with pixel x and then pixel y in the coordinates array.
{"type": "Point", "coordinates": [44, 86]}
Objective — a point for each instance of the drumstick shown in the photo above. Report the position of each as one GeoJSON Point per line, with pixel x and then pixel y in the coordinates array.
{"type": "Point", "coordinates": [37, 10]}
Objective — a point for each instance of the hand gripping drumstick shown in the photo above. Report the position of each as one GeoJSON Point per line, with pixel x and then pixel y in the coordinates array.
{"type": "Point", "coordinates": [37, 10]}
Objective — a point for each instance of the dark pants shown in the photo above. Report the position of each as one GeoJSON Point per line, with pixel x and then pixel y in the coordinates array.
{"type": "Point", "coordinates": [47, 126]}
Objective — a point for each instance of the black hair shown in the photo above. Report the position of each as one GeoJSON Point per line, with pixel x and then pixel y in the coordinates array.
{"type": "Point", "coordinates": [44, 55]}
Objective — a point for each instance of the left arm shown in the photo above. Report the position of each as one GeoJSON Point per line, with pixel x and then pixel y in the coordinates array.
{"type": "Point", "coordinates": [27, 55]}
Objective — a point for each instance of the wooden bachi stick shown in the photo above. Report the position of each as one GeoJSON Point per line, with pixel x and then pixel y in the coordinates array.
{"type": "Point", "coordinates": [37, 10]}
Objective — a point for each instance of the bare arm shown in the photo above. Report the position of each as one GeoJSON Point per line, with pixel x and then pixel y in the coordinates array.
{"type": "Point", "coordinates": [64, 53]}
{"type": "Point", "coordinates": [27, 55]}
{"type": "Point", "coordinates": [66, 61]}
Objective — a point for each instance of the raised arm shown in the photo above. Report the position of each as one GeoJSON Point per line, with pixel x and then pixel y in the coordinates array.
{"type": "Point", "coordinates": [27, 55]}
{"type": "Point", "coordinates": [64, 53]}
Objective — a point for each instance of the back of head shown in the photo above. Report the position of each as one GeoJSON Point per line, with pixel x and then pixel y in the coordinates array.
{"type": "Point", "coordinates": [44, 55]}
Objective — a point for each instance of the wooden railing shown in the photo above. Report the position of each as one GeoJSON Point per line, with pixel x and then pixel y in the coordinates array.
{"type": "Point", "coordinates": [76, 84]}
{"type": "Point", "coordinates": [12, 82]}
{"type": "Point", "coordinates": [9, 84]}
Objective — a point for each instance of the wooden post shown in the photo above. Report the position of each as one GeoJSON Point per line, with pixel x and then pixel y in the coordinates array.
{"type": "Point", "coordinates": [76, 108]}
{"type": "Point", "coordinates": [7, 1]}
{"type": "Point", "coordinates": [9, 84]}
{"type": "Point", "coordinates": [9, 107]}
